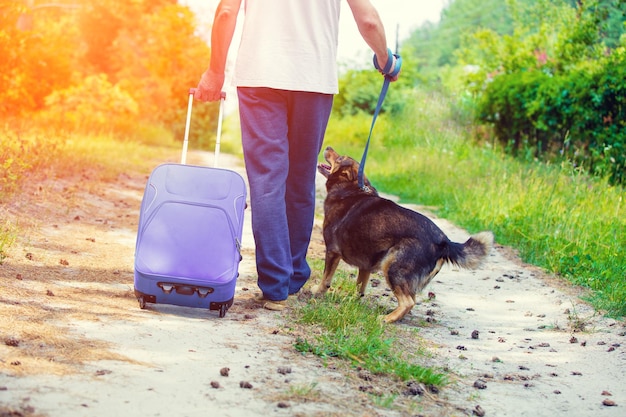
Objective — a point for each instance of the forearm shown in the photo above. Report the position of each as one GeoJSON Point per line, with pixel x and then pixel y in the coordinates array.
{"type": "Point", "coordinates": [222, 33]}
{"type": "Point", "coordinates": [371, 27]}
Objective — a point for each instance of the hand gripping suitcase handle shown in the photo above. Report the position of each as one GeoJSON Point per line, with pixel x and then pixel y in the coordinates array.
{"type": "Point", "coordinates": [183, 159]}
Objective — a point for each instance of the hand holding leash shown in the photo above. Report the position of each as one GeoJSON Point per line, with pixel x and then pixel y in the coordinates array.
{"type": "Point", "coordinates": [393, 66]}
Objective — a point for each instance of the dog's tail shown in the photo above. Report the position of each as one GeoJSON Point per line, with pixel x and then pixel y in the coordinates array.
{"type": "Point", "coordinates": [472, 253]}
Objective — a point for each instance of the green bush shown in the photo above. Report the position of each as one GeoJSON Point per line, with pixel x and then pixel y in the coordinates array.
{"type": "Point", "coordinates": [94, 105]}
{"type": "Point", "coordinates": [359, 91]}
{"type": "Point", "coordinates": [553, 89]}
{"type": "Point", "coordinates": [507, 103]}
{"type": "Point", "coordinates": [579, 115]}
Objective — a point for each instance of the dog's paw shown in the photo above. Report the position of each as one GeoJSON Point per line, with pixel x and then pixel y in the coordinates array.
{"type": "Point", "coordinates": [389, 318]}
{"type": "Point", "coordinates": [382, 319]}
{"type": "Point", "coordinates": [319, 290]}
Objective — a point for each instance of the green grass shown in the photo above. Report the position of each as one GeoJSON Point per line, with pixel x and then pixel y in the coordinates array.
{"type": "Point", "coordinates": [556, 216]}
{"type": "Point", "coordinates": [350, 329]}
{"type": "Point", "coordinates": [7, 237]}
{"type": "Point", "coordinates": [35, 153]}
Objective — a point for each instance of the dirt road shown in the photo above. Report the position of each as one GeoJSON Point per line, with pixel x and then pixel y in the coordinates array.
{"type": "Point", "coordinates": [517, 343]}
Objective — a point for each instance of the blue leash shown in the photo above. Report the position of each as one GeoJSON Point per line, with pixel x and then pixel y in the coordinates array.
{"type": "Point", "coordinates": [389, 73]}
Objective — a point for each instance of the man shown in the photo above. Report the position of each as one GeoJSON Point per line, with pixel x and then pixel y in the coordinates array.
{"type": "Point", "coordinates": [286, 76]}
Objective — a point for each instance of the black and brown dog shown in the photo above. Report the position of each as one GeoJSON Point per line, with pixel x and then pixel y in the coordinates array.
{"type": "Point", "coordinates": [373, 233]}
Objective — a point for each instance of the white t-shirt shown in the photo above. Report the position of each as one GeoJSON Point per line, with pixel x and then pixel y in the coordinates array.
{"type": "Point", "coordinates": [289, 45]}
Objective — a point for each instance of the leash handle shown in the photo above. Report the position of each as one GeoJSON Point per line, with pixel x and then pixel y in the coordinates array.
{"type": "Point", "coordinates": [390, 69]}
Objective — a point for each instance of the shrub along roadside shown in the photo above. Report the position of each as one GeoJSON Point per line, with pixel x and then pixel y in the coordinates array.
{"type": "Point", "coordinates": [553, 88]}
{"type": "Point", "coordinates": [557, 216]}
{"type": "Point", "coordinates": [579, 116]}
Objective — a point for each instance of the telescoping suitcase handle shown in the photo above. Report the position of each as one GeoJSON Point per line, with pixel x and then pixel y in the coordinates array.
{"type": "Point", "coordinates": [183, 159]}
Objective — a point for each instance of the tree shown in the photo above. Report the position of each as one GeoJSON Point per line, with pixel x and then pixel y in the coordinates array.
{"type": "Point", "coordinates": [434, 45]}
{"type": "Point", "coordinates": [553, 89]}
{"type": "Point", "coordinates": [35, 61]}
{"type": "Point", "coordinates": [146, 52]}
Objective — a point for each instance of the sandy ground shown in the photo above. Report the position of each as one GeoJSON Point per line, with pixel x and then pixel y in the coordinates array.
{"type": "Point", "coordinates": [517, 343]}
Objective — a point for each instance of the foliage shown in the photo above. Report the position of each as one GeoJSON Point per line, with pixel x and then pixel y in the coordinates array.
{"type": "Point", "coordinates": [34, 63]}
{"type": "Point", "coordinates": [7, 238]}
{"type": "Point", "coordinates": [552, 90]}
{"type": "Point", "coordinates": [547, 75]}
{"type": "Point", "coordinates": [102, 64]}
{"type": "Point", "coordinates": [433, 47]}
{"type": "Point", "coordinates": [23, 155]}
{"type": "Point", "coordinates": [359, 91]}
{"type": "Point", "coordinates": [583, 113]}
{"type": "Point", "coordinates": [612, 20]}
{"type": "Point", "coordinates": [93, 106]}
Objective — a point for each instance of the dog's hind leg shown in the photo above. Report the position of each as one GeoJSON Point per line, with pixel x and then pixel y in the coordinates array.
{"type": "Point", "coordinates": [330, 266]}
{"type": "Point", "coordinates": [398, 277]}
{"type": "Point", "coordinates": [423, 282]}
{"type": "Point", "coordinates": [406, 301]}
{"type": "Point", "coordinates": [362, 280]}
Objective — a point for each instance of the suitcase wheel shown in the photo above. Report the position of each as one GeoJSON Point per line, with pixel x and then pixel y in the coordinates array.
{"type": "Point", "coordinates": [222, 308]}
{"type": "Point", "coordinates": [142, 302]}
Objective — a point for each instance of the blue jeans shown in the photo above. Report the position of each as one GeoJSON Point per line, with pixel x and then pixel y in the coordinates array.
{"type": "Point", "coordinates": [282, 134]}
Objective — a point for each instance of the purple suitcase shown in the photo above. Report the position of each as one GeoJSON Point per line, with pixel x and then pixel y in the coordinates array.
{"type": "Point", "coordinates": [189, 236]}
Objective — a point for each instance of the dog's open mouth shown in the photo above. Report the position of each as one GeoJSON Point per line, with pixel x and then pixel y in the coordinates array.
{"type": "Point", "coordinates": [324, 169]}
{"type": "Point", "coordinates": [331, 157]}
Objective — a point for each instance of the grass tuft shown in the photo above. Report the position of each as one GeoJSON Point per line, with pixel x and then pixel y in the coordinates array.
{"type": "Point", "coordinates": [350, 328]}
{"type": "Point", "coordinates": [8, 235]}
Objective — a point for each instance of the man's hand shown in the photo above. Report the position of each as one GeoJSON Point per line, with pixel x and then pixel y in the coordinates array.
{"type": "Point", "coordinates": [389, 66]}
{"type": "Point", "coordinates": [209, 87]}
